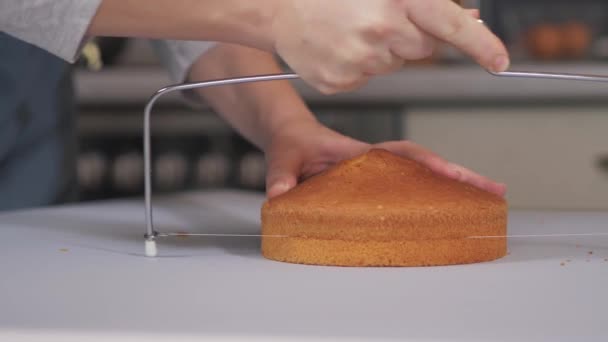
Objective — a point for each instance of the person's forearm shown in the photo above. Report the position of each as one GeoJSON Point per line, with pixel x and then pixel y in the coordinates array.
{"type": "Point", "coordinates": [256, 110]}
{"type": "Point", "coordinates": [243, 22]}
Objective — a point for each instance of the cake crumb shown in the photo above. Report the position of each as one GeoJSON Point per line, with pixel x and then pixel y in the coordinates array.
{"type": "Point", "coordinates": [568, 260]}
{"type": "Point", "coordinates": [606, 260]}
{"type": "Point", "coordinates": [590, 252]}
{"type": "Point", "coordinates": [562, 264]}
{"type": "Point", "coordinates": [64, 250]}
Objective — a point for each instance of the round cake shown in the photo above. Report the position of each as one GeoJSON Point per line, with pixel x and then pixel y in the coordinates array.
{"type": "Point", "coordinates": [380, 209]}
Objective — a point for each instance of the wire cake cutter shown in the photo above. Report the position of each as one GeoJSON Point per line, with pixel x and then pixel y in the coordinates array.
{"type": "Point", "coordinates": [152, 235]}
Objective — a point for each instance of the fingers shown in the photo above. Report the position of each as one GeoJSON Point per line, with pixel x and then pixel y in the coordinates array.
{"type": "Point", "coordinates": [467, 176]}
{"type": "Point", "coordinates": [283, 173]}
{"type": "Point", "coordinates": [330, 84]}
{"type": "Point", "coordinates": [452, 24]}
{"type": "Point", "coordinates": [418, 153]}
{"type": "Point", "coordinates": [413, 44]}
{"type": "Point", "coordinates": [416, 44]}
{"type": "Point", "coordinates": [441, 166]}
{"type": "Point", "coordinates": [357, 84]}
{"type": "Point", "coordinates": [383, 62]}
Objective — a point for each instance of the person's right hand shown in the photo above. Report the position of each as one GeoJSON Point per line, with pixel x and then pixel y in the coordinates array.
{"type": "Point", "coordinates": [336, 45]}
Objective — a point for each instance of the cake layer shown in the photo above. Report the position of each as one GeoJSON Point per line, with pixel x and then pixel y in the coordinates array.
{"type": "Point", "coordinates": [381, 225]}
{"type": "Point", "coordinates": [380, 209]}
{"type": "Point", "coordinates": [383, 253]}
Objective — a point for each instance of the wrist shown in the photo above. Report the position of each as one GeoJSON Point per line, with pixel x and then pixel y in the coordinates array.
{"type": "Point", "coordinates": [284, 122]}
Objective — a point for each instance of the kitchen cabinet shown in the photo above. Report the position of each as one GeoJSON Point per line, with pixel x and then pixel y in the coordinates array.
{"type": "Point", "coordinates": [550, 156]}
{"type": "Point", "coordinates": [545, 139]}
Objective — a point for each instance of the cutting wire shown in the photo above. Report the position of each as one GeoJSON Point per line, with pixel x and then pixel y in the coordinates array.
{"type": "Point", "coordinates": [515, 236]}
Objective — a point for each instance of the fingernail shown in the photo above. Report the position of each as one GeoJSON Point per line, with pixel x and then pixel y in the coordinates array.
{"type": "Point", "coordinates": [278, 189]}
{"type": "Point", "coordinates": [501, 63]}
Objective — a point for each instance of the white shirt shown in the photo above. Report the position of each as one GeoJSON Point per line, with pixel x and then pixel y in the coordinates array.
{"type": "Point", "coordinates": [59, 26]}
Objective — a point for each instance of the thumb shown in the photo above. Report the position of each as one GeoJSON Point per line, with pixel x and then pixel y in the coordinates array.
{"type": "Point", "coordinates": [283, 174]}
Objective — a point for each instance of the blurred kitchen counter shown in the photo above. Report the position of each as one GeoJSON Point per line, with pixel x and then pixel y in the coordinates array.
{"type": "Point", "coordinates": [457, 83]}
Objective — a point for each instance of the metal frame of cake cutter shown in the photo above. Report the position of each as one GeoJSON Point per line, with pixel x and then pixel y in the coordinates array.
{"type": "Point", "coordinates": [152, 235]}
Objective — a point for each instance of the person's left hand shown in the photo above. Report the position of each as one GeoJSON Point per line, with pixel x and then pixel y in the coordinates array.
{"type": "Point", "coordinates": [301, 150]}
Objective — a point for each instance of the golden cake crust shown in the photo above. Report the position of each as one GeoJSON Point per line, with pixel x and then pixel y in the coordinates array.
{"type": "Point", "coordinates": [380, 209]}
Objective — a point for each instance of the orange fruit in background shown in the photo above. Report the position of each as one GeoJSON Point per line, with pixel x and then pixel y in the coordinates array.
{"type": "Point", "coordinates": [544, 41]}
{"type": "Point", "coordinates": [576, 39]}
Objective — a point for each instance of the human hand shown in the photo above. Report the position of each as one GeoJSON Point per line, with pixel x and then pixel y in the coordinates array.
{"type": "Point", "coordinates": [337, 45]}
{"type": "Point", "coordinates": [304, 149]}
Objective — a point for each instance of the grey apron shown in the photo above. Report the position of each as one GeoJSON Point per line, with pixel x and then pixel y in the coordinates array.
{"type": "Point", "coordinates": [37, 137]}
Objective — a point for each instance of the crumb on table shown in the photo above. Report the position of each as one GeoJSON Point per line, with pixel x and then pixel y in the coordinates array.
{"type": "Point", "coordinates": [64, 250]}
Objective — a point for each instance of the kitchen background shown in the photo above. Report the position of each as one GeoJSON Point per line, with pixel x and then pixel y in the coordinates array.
{"type": "Point", "coordinates": [546, 139]}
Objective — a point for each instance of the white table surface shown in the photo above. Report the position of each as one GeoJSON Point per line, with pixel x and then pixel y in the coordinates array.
{"type": "Point", "coordinates": [77, 273]}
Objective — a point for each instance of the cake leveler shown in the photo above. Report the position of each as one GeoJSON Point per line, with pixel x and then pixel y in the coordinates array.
{"type": "Point", "coordinates": [152, 235]}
